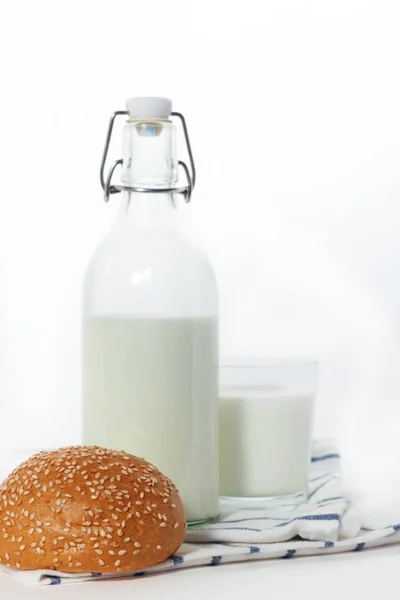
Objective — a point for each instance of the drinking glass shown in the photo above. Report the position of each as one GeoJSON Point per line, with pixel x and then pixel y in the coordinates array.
{"type": "Point", "coordinates": [266, 413]}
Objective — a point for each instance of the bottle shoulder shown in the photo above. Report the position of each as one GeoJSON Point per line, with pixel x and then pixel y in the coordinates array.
{"type": "Point", "coordinates": [147, 257]}
{"type": "Point", "coordinates": [152, 271]}
{"type": "Point", "coordinates": [156, 249]}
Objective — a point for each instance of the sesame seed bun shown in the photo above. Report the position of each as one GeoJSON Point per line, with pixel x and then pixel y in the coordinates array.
{"type": "Point", "coordinates": [86, 509]}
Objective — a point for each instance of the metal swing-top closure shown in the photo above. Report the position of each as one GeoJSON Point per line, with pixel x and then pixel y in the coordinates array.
{"type": "Point", "coordinates": [160, 108]}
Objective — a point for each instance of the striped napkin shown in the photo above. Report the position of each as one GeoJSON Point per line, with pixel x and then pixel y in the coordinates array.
{"type": "Point", "coordinates": [327, 523]}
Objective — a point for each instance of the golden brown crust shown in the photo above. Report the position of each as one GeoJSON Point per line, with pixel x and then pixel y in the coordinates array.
{"type": "Point", "coordinates": [87, 509]}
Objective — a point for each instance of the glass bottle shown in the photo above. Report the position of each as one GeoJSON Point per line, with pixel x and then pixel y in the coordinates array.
{"type": "Point", "coordinates": [150, 321]}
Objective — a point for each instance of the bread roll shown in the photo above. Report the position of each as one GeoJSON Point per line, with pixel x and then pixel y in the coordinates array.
{"type": "Point", "coordinates": [87, 509]}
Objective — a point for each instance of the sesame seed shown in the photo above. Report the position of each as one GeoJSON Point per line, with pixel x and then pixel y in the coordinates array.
{"type": "Point", "coordinates": [137, 545]}
{"type": "Point", "coordinates": [34, 544]}
{"type": "Point", "coordinates": [117, 563]}
{"type": "Point", "coordinates": [22, 547]}
{"type": "Point", "coordinates": [98, 551]}
{"type": "Point", "coordinates": [111, 552]}
{"type": "Point", "coordinates": [78, 564]}
{"type": "Point", "coordinates": [176, 525]}
{"type": "Point", "coordinates": [158, 547]}
{"type": "Point", "coordinates": [101, 562]}
{"type": "Point", "coordinates": [136, 552]}
{"type": "Point", "coordinates": [162, 524]}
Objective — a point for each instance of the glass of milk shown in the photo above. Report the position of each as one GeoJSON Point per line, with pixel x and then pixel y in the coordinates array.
{"type": "Point", "coordinates": [266, 413]}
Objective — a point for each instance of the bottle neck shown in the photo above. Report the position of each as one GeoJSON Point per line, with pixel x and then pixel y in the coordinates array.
{"type": "Point", "coordinates": [149, 154]}
{"type": "Point", "coordinates": [149, 161]}
{"type": "Point", "coordinates": [148, 211]}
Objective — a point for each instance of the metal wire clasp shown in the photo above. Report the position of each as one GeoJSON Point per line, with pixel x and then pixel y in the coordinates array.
{"type": "Point", "coordinates": [109, 189]}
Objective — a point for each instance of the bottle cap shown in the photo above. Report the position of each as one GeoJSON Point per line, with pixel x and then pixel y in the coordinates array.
{"type": "Point", "coordinates": [149, 108]}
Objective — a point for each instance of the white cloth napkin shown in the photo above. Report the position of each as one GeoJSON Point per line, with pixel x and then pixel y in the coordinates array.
{"type": "Point", "coordinates": [327, 523]}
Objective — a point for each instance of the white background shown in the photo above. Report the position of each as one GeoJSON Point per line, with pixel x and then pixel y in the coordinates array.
{"type": "Point", "coordinates": [293, 110]}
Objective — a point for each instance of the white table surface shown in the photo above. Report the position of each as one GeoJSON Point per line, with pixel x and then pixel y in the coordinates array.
{"type": "Point", "coordinates": [361, 575]}
{"type": "Point", "coordinates": [366, 575]}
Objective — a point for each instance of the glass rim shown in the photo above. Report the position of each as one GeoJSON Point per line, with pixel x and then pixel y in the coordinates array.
{"type": "Point", "coordinates": [266, 362]}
